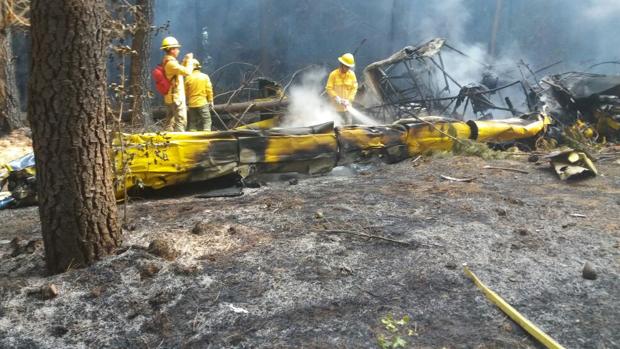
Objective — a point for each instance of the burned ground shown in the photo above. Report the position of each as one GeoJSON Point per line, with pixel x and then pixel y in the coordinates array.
{"type": "Point", "coordinates": [15, 145]}
{"type": "Point", "coordinates": [280, 267]}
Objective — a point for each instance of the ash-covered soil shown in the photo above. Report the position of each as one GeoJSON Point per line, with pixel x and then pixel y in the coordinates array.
{"type": "Point", "coordinates": [268, 270]}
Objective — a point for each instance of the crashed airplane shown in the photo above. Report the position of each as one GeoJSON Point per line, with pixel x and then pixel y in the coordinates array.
{"type": "Point", "coordinates": [158, 160]}
{"type": "Point", "coordinates": [401, 90]}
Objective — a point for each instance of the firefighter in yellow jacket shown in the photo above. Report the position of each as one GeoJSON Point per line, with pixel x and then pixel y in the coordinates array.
{"type": "Point", "coordinates": [199, 92]}
{"type": "Point", "coordinates": [342, 86]}
{"type": "Point", "coordinates": [176, 119]}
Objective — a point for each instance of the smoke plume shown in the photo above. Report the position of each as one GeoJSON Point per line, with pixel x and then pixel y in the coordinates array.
{"type": "Point", "coordinates": [307, 107]}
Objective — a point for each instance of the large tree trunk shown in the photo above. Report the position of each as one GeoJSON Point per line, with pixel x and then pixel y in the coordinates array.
{"type": "Point", "coordinates": [139, 70]}
{"type": "Point", "coordinates": [10, 113]}
{"type": "Point", "coordinates": [66, 110]}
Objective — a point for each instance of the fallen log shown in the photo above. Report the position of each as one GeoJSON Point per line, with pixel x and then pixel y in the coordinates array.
{"type": "Point", "coordinates": [251, 106]}
{"type": "Point", "coordinates": [247, 107]}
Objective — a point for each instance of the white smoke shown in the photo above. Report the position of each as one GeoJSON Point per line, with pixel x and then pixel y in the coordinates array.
{"type": "Point", "coordinates": [307, 107]}
{"type": "Point", "coordinates": [550, 30]}
{"type": "Point", "coordinates": [602, 9]}
{"type": "Point", "coordinates": [445, 18]}
{"type": "Point", "coordinates": [465, 69]}
{"type": "Point", "coordinates": [599, 32]}
{"type": "Point", "coordinates": [449, 19]}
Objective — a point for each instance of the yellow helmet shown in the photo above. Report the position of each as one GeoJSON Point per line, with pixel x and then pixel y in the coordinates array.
{"type": "Point", "coordinates": [169, 42]}
{"type": "Point", "coordinates": [196, 64]}
{"type": "Point", "coordinates": [347, 59]}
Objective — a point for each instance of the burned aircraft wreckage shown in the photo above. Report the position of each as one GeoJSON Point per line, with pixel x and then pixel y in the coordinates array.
{"type": "Point", "coordinates": [402, 91]}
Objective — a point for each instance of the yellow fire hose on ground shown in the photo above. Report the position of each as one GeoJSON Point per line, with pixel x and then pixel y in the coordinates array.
{"type": "Point", "coordinates": [537, 333]}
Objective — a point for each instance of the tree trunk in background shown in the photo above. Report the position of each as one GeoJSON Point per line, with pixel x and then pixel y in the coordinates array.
{"type": "Point", "coordinates": [200, 53]}
{"type": "Point", "coordinates": [393, 29]}
{"type": "Point", "coordinates": [266, 22]}
{"type": "Point", "coordinates": [10, 112]}
{"type": "Point", "coordinates": [139, 75]}
{"type": "Point", "coordinates": [496, 22]}
{"type": "Point", "coordinates": [66, 109]}
{"type": "Point", "coordinates": [399, 29]}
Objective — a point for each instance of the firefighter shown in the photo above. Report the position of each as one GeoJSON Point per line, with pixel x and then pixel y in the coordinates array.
{"type": "Point", "coordinates": [176, 118]}
{"type": "Point", "coordinates": [199, 93]}
{"type": "Point", "coordinates": [342, 86]}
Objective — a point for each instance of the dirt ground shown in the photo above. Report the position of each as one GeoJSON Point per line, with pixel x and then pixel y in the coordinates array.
{"type": "Point", "coordinates": [267, 270]}
{"type": "Point", "coordinates": [15, 145]}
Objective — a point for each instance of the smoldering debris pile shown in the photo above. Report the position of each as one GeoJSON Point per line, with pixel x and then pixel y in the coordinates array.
{"type": "Point", "coordinates": [414, 81]}
{"type": "Point", "coordinates": [592, 99]}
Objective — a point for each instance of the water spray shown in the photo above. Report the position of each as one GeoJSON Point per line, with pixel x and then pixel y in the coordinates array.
{"type": "Point", "coordinates": [362, 118]}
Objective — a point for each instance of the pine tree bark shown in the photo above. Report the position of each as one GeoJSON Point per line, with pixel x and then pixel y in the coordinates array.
{"type": "Point", "coordinates": [139, 69]}
{"type": "Point", "coordinates": [10, 112]}
{"type": "Point", "coordinates": [66, 110]}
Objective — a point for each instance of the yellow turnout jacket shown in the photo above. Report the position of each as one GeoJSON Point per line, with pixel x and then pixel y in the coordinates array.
{"type": "Point", "coordinates": [198, 89]}
{"type": "Point", "coordinates": [174, 73]}
{"type": "Point", "coordinates": [341, 85]}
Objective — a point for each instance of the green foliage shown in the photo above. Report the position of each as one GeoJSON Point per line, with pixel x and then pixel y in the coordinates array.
{"type": "Point", "coordinates": [472, 148]}
{"type": "Point", "coordinates": [576, 138]}
{"type": "Point", "coordinates": [437, 154]}
{"type": "Point", "coordinates": [469, 147]}
{"type": "Point", "coordinates": [394, 332]}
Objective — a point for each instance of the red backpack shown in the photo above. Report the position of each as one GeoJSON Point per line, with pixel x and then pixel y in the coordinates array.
{"type": "Point", "coordinates": [162, 84]}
